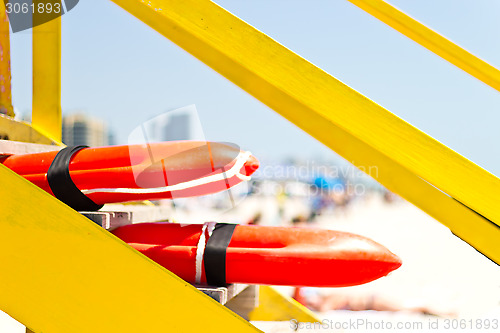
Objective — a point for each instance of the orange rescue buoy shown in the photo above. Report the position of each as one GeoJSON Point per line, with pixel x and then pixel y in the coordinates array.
{"type": "Point", "coordinates": [261, 254]}
{"type": "Point", "coordinates": [164, 170]}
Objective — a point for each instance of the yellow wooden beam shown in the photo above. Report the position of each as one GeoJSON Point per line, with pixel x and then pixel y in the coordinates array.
{"type": "Point", "coordinates": [431, 40]}
{"type": "Point", "coordinates": [401, 157]}
{"type": "Point", "coordinates": [46, 114]}
{"type": "Point", "coordinates": [5, 76]}
{"type": "Point", "coordinates": [22, 131]}
{"type": "Point", "coordinates": [274, 306]}
{"type": "Point", "coordinates": [62, 273]}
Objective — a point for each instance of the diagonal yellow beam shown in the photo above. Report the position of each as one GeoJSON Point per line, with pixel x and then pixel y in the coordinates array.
{"type": "Point", "coordinates": [408, 161]}
{"type": "Point", "coordinates": [62, 273]}
{"type": "Point", "coordinates": [431, 40]}
{"type": "Point", "coordinates": [46, 113]}
{"type": "Point", "coordinates": [274, 306]}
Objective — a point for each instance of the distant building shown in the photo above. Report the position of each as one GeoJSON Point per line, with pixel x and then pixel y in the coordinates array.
{"type": "Point", "coordinates": [80, 129]}
{"type": "Point", "coordinates": [177, 128]}
{"type": "Point", "coordinates": [180, 124]}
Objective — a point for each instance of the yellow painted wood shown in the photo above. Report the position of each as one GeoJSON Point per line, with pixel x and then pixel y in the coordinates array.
{"type": "Point", "coordinates": [431, 40]}
{"type": "Point", "coordinates": [62, 273]}
{"type": "Point", "coordinates": [401, 157]}
{"type": "Point", "coordinates": [274, 306]}
{"type": "Point", "coordinates": [46, 114]}
{"type": "Point", "coordinates": [22, 131]}
{"type": "Point", "coordinates": [5, 75]}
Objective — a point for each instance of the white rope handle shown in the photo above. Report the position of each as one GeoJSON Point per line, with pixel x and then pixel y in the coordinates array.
{"type": "Point", "coordinates": [200, 248]}
{"type": "Point", "coordinates": [241, 159]}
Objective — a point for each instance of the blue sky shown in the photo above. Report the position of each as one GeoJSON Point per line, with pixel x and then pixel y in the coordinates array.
{"type": "Point", "coordinates": [116, 68]}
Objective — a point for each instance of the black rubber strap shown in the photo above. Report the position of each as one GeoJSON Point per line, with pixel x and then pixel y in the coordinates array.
{"type": "Point", "coordinates": [214, 257]}
{"type": "Point", "coordinates": [61, 184]}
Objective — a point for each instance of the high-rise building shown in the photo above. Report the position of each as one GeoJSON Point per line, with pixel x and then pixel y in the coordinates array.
{"type": "Point", "coordinates": [179, 124]}
{"type": "Point", "coordinates": [80, 129]}
{"type": "Point", "coordinates": [177, 128]}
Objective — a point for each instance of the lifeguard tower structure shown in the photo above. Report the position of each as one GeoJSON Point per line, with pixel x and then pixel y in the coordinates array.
{"type": "Point", "coordinates": [60, 272]}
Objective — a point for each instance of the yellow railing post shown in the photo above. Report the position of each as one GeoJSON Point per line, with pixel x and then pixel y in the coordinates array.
{"type": "Point", "coordinates": [46, 113]}
{"type": "Point", "coordinates": [5, 76]}
{"type": "Point", "coordinates": [431, 40]}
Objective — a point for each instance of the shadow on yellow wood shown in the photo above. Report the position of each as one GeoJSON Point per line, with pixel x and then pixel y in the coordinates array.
{"type": "Point", "coordinates": [63, 273]}
{"type": "Point", "coordinates": [274, 306]}
{"type": "Point", "coordinates": [22, 131]}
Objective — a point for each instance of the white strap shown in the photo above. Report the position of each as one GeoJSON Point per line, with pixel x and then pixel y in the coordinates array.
{"type": "Point", "coordinates": [200, 248]}
{"type": "Point", "coordinates": [241, 159]}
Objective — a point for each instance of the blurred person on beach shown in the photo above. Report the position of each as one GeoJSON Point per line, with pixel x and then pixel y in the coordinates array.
{"type": "Point", "coordinates": [313, 299]}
